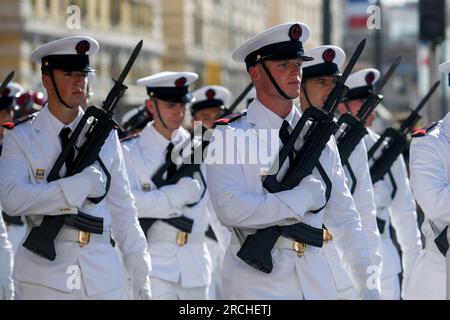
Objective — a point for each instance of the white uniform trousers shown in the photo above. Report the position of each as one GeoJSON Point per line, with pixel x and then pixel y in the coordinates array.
{"type": "Point", "coordinates": [30, 291]}
{"type": "Point", "coordinates": [166, 290]}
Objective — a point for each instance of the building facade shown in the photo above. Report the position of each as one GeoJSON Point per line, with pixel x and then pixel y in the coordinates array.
{"type": "Point", "coordinates": [179, 35]}
{"type": "Point", "coordinates": [118, 25]}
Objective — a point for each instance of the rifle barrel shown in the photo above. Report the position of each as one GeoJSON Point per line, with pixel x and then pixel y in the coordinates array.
{"type": "Point", "coordinates": [425, 99]}
{"type": "Point", "coordinates": [239, 99]}
{"type": "Point", "coordinates": [332, 101]}
{"type": "Point", "coordinates": [130, 62]}
{"type": "Point", "coordinates": [7, 80]}
{"type": "Point", "coordinates": [380, 84]}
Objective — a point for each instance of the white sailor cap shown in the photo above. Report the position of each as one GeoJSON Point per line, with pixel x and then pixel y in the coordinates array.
{"type": "Point", "coordinates": [9, 95]}
{"type": "Point", "coordinates": [328, 60]}
{"type": "Point", "coordinates": [445, 68]}
{"type": "Point", "coordinates": [281, 42]}
{"type": "Point", "coordinates": [209, 97]}
{"type": "Point", "coordinates": [169, 86]}
{"type": "Point", "coordinates": [361, 83]}
{"type": "Point", "coordinates": [69, 54]}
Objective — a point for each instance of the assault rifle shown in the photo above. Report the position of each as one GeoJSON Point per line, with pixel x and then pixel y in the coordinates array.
{"type": "Point", "coordinates": [352, 128]}
{"type": "Point", "coordinates": [393, 141]}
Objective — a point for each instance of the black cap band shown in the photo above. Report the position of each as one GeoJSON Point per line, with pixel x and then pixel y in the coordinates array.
{"type": "Point", "coordinates": [212, 103]}
{"type": "Point", "coordinates": [359, 93]}
{"type": "Point", "coordinates": [277, 51]}
{"type": "Point", "coordinates": [172, 94]}
{"type": "Point", "coordinates": [67, 62]}
{"type": "Point", "coordinates": [7, 103]}
{"type": "Point", "coordinates": [322, 69]}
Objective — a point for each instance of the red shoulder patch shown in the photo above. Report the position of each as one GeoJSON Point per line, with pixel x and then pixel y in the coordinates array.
{"type": "Point", "coordinates": [229, 119]}
{"type": "Point", "coordinates": [8, 125]}
{"type": "Point", "coordinates": [12, 125]}
{"type": "Point", "coordinates": [425, 130]}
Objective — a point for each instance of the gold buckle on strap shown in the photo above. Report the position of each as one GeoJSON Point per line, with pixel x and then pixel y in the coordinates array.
{"type": "Point", "coordinates": [327, 236]}
{"type": "Point", "coordinates": [83, 238]}
{"type": "Point", "coordinates": [300, 248]}
{"type": "Point", "coordinates": [182, 238]}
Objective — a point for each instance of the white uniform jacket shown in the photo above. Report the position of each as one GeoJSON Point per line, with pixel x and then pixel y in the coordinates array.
{"type": "Point", "coordinates": [430, 176]}
{"type": "Point", "coordinates": [399, 210]}
{"type": "Point", "coordinates": [365, 205]}
{"type": "Point", "coordinates": [16, 234]}
{"type": "Point", "coordinates": [240, 201]}
{"type": "Point", "coordinates": [29, 152]}
{"type": "Point", "coordinates": [191, 263]}
{"type": "Point", "coordinates": [6, 255]}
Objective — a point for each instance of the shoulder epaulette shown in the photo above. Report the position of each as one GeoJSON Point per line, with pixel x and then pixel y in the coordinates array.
{"type": "Point", "coordinates": [130, 137]}
{"type": "Point", "coordinates": [425, 130]}
{"type": "Point", "coordinates": [229, 119]}
{"type": "Point", "coordinates": [8, 125]}
{"type": "Point", "coordinates": [11, 125]}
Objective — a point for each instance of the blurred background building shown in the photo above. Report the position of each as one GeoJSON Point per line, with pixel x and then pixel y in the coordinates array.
{"type": "Point", "coordinates": [179, 35]}
{"type": "Point", "coordinates": [200, 36]}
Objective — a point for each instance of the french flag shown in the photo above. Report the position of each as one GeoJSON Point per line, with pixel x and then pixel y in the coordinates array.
{"type": "Point", "coordinates": [356, 12]}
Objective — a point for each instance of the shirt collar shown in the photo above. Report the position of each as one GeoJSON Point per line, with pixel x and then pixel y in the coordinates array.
{"type": "Point", "coordinates": [265, 117]}
{"type": "Point", "coordinates": [151, 134]}
{"type": "Point", "coordinates": [58, 125]}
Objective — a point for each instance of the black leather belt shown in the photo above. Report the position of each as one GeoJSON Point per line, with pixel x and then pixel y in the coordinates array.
{"type": "Point", "coordinates": [85, 222]}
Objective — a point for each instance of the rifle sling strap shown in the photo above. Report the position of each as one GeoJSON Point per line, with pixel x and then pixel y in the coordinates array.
{"type": "Point", "coordinates": [108, 182]}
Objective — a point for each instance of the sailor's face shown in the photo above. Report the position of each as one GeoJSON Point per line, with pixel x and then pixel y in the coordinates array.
{"type": "Point", "coordinates": [172, 113]}
{"type": "Point", "coordinates": [71, 85]}
{"type": "Point", "coordinates": [208, 116]}
{"type": "Point", "coordinates": [353, 106]}
{"type": "Point", "coordinates": [318, 89]}
{"type": "Point", "coordinates": [287, 74]}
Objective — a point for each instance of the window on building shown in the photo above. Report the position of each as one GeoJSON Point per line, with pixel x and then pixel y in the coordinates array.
{"type": "Point", "coordinates": [142, 15]}
{"type": "Point", "coordinates": [33, 5]}
{"type": "Point", "coordinates": [115, 12]}
{"type": "Point", "coordinates": [198, 24]}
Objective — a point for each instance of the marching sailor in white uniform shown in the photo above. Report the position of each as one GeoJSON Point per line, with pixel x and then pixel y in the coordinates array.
{"type": "Point", "coordinates": [274, 59]}
{"type": "Point", "coordinates": [393, 197]}
{"type": "Point", "coordinates": [181, 264]}
{"type": "Point", "coordinates": [319, 78]}
{"type": "Point", "coordinates": [85, 264]}
{"type": "Point", "coordinates": [430, 173]}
